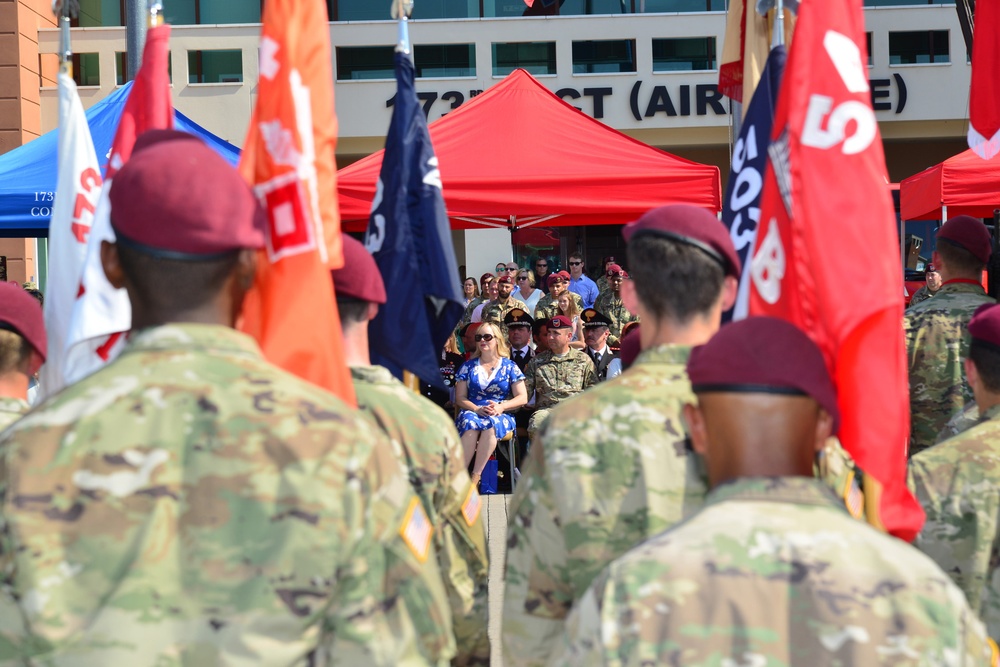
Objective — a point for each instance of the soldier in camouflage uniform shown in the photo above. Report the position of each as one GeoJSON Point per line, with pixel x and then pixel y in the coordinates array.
{"type": "Point", "coordinates": [191, 503]}
{"type": "Point", "coordinates": [497, 310]}
{"type": "Point", "coordinates": [928, 290]}
{"type": "Point", "coordinates": [557, 373]}
{"type": "Point", "coordinates": [612, 467]}
{"type": "Point", "coordinates": [548, 305]}
{"type": "Point", "coordinates": [772, 571]}
{"type": "Point", "coordinates": [426, 439]}
{"type": "Point", "coordinates": [22, 350]}
{"type": "Point", "coordinates": [958, 483]}
{"type": "Point", "coordinates": [936, 336]}
{"type": "Point", "coordinates": [602, 282]}
{"type": "Point", "coordinates": [610, 303]}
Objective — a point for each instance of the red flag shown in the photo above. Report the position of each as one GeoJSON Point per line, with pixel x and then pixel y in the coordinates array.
{"type": "Point", "coordinates": [984, 97]}
{"type": "Point", "coordinates": [824, 206]}
{"type": "Point", "coordinates": [288, 158]}
{"type": "Point", "coordinates": [102, 314]}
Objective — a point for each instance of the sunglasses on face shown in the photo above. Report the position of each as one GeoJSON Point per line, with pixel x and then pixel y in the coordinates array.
{"type": "Point", "coordinates": [486, 337]}
{"type": "Point", "coordinates": [575, 263]}
{"type": "Point", "coordinates": [522, 277]}
{"type": "Point", "coordinates": [541, 264]}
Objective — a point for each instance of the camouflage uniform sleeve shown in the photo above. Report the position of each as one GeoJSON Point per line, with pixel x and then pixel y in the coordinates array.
{"type": "Point", "coordinates": [529, 377]}
{"type": "Point", "coordinates": [14, 636]}
{"type": "Point", "coordinates": [589, 373]}
{"type": "Point", "coordinates": [412, 619]}
{"type": "Point", "coordinates": [961, 503]}
{"type": "Point", "coordinates": [463, 558]}
{"type": "Point", "coordinates": [581, 644]}
{"type": "Point", "coordinates": [538, 590]}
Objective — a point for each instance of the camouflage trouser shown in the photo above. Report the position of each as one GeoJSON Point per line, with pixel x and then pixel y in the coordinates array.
{"type": "Point", "coordinates": [535, 423]}
{"type": "Point", "coordinates": [471, 634]}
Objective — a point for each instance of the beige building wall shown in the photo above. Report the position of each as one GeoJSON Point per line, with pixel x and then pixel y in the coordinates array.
{"type": "Point", "coordinates": [20, 259]}
{"type": "Point", "coordinates": [22, 70]}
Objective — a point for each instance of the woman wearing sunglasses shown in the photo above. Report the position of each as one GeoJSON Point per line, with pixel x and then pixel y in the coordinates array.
{"type": "Point", "coordinates": [487, 387]}
{"type": "Point", "coordinates": [526, 291]}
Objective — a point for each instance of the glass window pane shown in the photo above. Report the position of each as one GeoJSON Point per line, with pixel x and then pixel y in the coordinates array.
{"type": "Point", "coordinates": [685, 54]}
{"type": "Point", "coordinates": [180, 12]}
{"type": "Point", "coordinates": [364, 62]}
{"type": "Point", "coordinates": [572, 7]}
{"type": "Point", "coordinates": [215, 66]}
{"type": "Point", "coordinates": [121, 66]}
{"type": "Point", "coordinates": [615, 55]}
{"type": "Point", "coordinates": [445, 60]}
{"type": "Point", "coordinates": [98, 13]}
{"type": "Point", "coordinates": [86, 69]}
{"type": "Point", "coordinates": [226, 11]}
{"type": "Point", "coordinates": [919, 47]}
{"type": "Point", "coordinates": [868, 46]}
{"type": "Point", "coordinates": [536, 57]}
{"type": "Point", "coordinates": [649, 6]}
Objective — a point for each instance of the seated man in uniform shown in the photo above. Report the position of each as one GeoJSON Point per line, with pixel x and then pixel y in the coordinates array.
{"type": "Point", "coordinates": [595, 333]}
{"type": "Point", "coordinates": [772, 571]}
{"type": "Point", "coordinates": [22, 350]}
{"type": "Point", "coordinates": [556, 374]}
{"type": "Point", "coordinates": [190, 503]}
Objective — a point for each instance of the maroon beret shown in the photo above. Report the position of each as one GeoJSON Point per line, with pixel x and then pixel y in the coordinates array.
{"type": "Point", "coordinates": [615, 270]}
{"type": "Point", "coordinates": [630, 344]}
{"type": "Point", "coordinates": [483, 278]}
{"type": "Point", "coordinates": [177, 198]}
{"type": "Point", "coordinates": [21, 313]}
{"type": "Point", "coordinates": [609, 258]}
{"type": "Point", "coordinates": [559, 322]}
{"type": "Point", "coordinates": [555, 277]}
{"type": "Point", "coordinates": [359, 278]}
{"type": "Point", "coordinates": [984, 327]}
{"type": "Point", "coordinates": [690, 225]}
{"type": "Point", "coordinates": [968, 233]}
{"type": "Point", "coordinates": [504, 280]}
{"type": "Point", "coordinates": [763, 355]}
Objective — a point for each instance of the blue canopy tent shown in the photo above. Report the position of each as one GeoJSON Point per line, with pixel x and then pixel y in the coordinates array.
{"type": "Point", "coordinates": [28, 174]}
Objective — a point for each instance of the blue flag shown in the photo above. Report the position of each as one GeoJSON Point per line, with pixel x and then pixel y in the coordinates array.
{"type": "Point", "coordinates": [409, 236]}
{"type": "Point", "coordinates": [741, 205]}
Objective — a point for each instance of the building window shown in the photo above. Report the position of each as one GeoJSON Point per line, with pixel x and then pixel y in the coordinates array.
{"type": "Point", "coordinates": [87, 69]}
{"type": "Point", "coordinates": [602, 57]}
{"type": "Point", "coordinates": [445, 60]}
{"type": "Point", "coordinates": [684, 54]}
{"type": "Point", "coordinates": [651, 6]}
{"type": "Point", "coordinates": [215, 66]}
{"type": "Point", "coordinates": [536, 57]}
{"type": "Point", "coordinates": [210, 12]}
{"type": "Point", "coordinates": [121, 68]}
{"type": "Point", "coordinates": [366, 10]}
{"type": "Point", "coordinates": [894, 3]}
{"type": "Point", "coordinates": [868, 47]}
{"type": "Point", "coordinates": [919, 47]}
{"type": "Point", "coordinates": [429, 60]}
{"type": "Point", "coordinates": [577, 7]}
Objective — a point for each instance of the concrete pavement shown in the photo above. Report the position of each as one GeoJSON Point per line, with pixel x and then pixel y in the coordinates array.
{"type": "Point", "coordinates": [497, 511]}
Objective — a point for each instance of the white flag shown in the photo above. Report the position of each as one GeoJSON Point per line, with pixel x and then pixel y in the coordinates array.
{"type": "Point", "coordinates": [78, 188]}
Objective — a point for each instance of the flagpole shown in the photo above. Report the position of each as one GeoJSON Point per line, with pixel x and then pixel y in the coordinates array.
{"type": "Point", "coordinates": [778, 38]}
{"type": "Point", "coordinates": [65, 45]}
{"type": "Point", "coordinates": [400, 11]}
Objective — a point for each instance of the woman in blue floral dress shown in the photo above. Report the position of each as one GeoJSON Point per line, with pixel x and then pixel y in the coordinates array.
{"type": "Point", "coordinates": [487, 387]}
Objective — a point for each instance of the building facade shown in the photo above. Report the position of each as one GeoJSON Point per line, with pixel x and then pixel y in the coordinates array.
{"type": "Point", "coordinates": [645, 67]}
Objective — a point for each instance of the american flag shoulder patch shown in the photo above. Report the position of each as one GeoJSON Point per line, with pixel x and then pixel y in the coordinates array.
{"type": "Point", "coordinates": [417, 530]}
{"type": "Point", "coordinates": [854, 497]}
{"type": "Point", "coordinates": [472, 506]}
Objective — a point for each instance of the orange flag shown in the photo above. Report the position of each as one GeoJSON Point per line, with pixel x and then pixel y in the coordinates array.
{"type": "Point", "coordinates": [288, 158]}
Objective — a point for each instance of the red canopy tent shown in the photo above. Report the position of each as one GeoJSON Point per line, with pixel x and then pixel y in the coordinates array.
{"type": "Point", "coordinates": [517, 155]}
{"type": "Point", "coordinates": [964, 184]}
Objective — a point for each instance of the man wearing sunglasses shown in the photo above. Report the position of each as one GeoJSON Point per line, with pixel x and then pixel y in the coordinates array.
{"type": "Point", "coordinates": [542, 274]}
{"type": "Point", "coordinates": [581, 284]}
{"type": "Point", "coordinates": [610, 303]}
{"type": "Point", "coordinates": [602, 281]}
